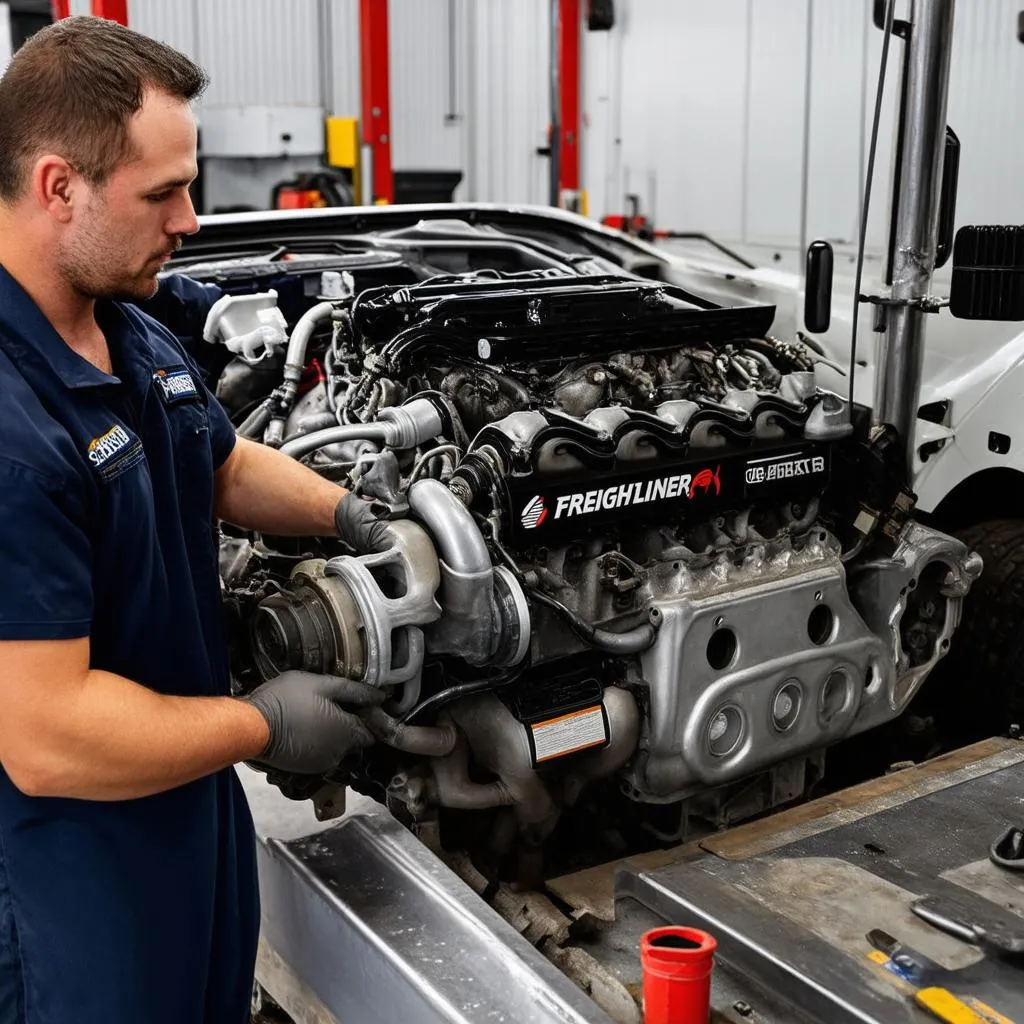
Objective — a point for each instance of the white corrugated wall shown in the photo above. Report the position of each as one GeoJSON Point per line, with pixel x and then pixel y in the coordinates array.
{"type": "Point", "coordinates": [508, 65]}
{"type": "Point", "coordinates": [427, 83]}
{"type": "Point", "coordinates": [700, 108]}
{"type": "Point", "coordinates": [697, 106]}
{"type": "Point", "coordinates": [342, 55]}
{"type": "Point", "coordinates": [257, 52]}
{"type": "Point", "coordinates": [985, 109]}
{"type": "Point", "coordinates": [468, 77]}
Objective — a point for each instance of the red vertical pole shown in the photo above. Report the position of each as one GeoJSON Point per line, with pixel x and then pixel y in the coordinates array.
{"type": "Point", "coordinates": [569, 85]}
{"type": "Point", "coordinates": [112, 10]}
{"type": "Point", "coordinates": [376, 92]}
{"type": "Point", "coordinates": [60, 8]}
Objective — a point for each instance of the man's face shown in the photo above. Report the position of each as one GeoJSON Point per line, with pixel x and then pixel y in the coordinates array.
{"type": "Point", "coordinates": [126, 229]}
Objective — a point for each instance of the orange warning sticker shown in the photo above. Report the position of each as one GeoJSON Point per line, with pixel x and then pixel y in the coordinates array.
{"type": "Point", "coordinates": [566, 734]}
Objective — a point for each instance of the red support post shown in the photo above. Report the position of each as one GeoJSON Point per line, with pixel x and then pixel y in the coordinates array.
{"type": "Point", "coordinates": [569, 86]}
{"type": "Point", "coordinates": [112, 10]}
{"type": "Point", "coordinates": [60, 8]}
{"type": "Point", "coordinates": [376, 92]}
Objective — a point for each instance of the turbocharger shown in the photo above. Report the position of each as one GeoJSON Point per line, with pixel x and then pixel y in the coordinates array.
{"type": "Point", "coordinates": [374, 617]}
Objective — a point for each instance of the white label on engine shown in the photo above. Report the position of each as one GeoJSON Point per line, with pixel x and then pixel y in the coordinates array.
{"type": "Point", "coordinates": [782, 467]}
{"type": "Point", "coordinates": [564, 735]}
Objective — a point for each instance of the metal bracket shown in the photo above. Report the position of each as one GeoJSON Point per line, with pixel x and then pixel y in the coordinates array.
{"type": "Point", "coordinates": [900, 29]}
{"type": "Point", "coordinates": [927, 304]}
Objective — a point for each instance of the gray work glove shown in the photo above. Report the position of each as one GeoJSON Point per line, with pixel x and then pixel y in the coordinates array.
{"type": "Point", "coordinates": [310, 730]}
{"type": "Point", "coordinates": [357, 524]}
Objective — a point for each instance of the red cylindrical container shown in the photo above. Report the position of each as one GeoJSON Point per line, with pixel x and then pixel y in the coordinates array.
{"type": "Point", "coordinates": [677, 966]}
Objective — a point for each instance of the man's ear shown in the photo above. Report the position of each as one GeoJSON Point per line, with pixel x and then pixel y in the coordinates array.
{"type": "Point", "coordinates": [55, 186]}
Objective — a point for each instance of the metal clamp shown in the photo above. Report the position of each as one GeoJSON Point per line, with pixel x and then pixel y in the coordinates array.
{"type": "Point", "coordinates": [924, 304]}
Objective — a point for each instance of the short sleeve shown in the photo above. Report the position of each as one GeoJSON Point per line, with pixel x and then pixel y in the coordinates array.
{"type": "Point", "coordinates": [45, 558]}
{"type": "Point", "coordinates": [222, 433]}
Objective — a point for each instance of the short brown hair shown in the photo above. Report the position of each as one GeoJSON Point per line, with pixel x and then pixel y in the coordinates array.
{"type": "Point", "coordinates": [73, 88]}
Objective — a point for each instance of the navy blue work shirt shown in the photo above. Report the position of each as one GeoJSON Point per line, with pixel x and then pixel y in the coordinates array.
{"type": "Point", "coordinates": [141, 911]}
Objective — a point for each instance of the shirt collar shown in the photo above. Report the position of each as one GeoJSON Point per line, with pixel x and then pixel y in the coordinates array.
{"type": "Point", "coordinates": [31, 339]}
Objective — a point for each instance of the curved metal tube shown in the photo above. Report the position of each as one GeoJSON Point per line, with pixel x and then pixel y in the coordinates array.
{"type": "Point", "coordinates": [472, 626]}
{"type": "Point", "coordinates": [295, 359]}
{"type": "Point", "coordinates": [623, 737]}
{"type": "Point", "coordinates": [499, 744]}
{"type": "Point", "coordinates": [454, 788]}
{"type": "Point", "coordinates": [456, 536]}
{"type": "Point", "coordinates": [402, 426]}
{"type": "Point", "coordinates": [294, 363]}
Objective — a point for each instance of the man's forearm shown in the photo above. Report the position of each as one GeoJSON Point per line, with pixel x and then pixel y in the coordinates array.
{"type": "Point", "coordinates": [258, 488]}
{"type": "Point", "coordinates": [117, 740]}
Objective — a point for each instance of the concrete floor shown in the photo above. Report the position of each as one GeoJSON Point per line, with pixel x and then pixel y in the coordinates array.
{"type": "Point", "coordinates": [277, 817]}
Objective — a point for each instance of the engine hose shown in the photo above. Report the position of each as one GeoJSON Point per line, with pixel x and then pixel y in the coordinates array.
{"type": "Point", "coordinates": [393, 352]}
{"type": "Point", "coordinates": [509, 561]}
{"type": "Point", "coordinates": [441, 450]}
{"type": "Point", "coordinates": [404, 426]}
{"type": "Point", "coordinates": [422, 740]}
{"type": "Point", "coordinates": [295, 359]}
{"type": "Point", "coordinates": [255, 423]}
{"type": "Point", "coordinates": [442, 697]}
{"type": "Point", "coordinates": [631, 641]}
{"type": "Point", "coordinates": [294, 364]}
{"type": "Point", "coordinates": [302, 445]}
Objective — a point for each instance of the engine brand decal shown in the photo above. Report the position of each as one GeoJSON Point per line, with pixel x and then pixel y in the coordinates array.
{"type": "Point", "coordinates": [784, 467]}
{"type": "Point", "coordinates": [534, 514]}
{"type": "Point", "coordinates": [545, 509]}
{"type": "Point", "coordinates": [677, 485]}
{"type": "Point", "coordinates": [175, 384]}
{"type": "Point", "coordinates": [114, 452]}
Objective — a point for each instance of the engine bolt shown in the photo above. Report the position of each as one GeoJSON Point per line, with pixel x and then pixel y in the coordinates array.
{"type": "Point", "coordinates": [743, 1009]}
{"type": "Point", "coordinates": [719, 620]}
{"type": "Point", "coordinates": [817, 595]}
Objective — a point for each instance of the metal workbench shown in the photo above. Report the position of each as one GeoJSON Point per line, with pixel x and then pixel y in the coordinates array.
{"type": "Point", "coordinates": [362, 923]}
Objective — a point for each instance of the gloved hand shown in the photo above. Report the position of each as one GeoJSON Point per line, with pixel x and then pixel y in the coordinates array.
{"type": "Point", "coordinates": [310, 730]}
{"type": "Point", "coordinates": [358, 525]}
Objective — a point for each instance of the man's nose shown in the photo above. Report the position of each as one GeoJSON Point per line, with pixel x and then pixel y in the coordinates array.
{"type": "Point", "coordinates": [184, 221]}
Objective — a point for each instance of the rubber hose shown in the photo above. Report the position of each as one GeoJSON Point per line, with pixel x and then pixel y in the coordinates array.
{"type": "Point", "coordinates": [422, 740]}
{"type": "Point", "coordinates": [299, 446]}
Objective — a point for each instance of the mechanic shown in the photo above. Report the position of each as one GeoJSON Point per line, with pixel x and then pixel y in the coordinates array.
{"type": "Point", "coordinates": [127, 858]}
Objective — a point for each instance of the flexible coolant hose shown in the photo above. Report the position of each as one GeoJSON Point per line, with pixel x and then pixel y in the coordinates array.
{"type": "Point", "coordinates": [305, 443]}
{"type": "Point", "coordinates": [295, 359]}
{"type": "Point", "coordinates": [631, 641]}
{"type": "Point", "coordinates": [422, 740]}
{"type": "Point", "coordinates": [402, 426]}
